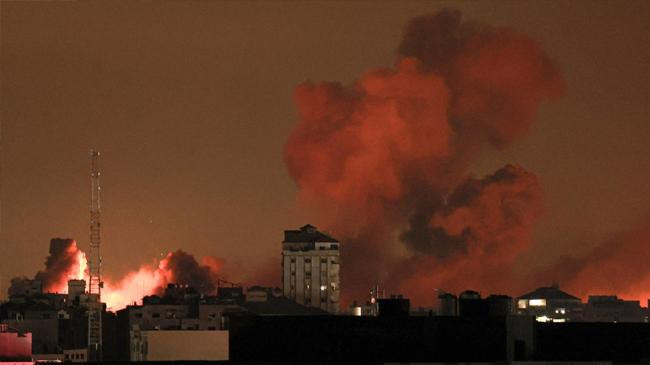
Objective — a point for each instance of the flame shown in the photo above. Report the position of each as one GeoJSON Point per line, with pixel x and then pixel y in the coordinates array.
{"type": "Point", "coordinates": [147, 280]}
{"type": "Point", "coordinates": [82, 272]}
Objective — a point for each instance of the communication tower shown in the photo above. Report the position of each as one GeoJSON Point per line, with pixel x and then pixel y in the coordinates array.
{"type": "Point", "coordinates": [95, 264]}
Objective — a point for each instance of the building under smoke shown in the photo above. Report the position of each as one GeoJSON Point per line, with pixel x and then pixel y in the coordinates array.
{"type": "Point", "coordinates": [550, 304]}
{"type": "Point", "coordinates": [310, 268]}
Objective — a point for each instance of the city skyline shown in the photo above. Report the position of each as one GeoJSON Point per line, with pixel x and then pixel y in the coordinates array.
{"type": "Point", "coordinates": [192, 106]}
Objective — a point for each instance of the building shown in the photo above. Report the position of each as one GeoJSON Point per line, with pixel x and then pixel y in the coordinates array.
{"type": "Point", "coordinates": [609, 308]}
{"type": "Point", "coordinates": [470, 304]}
{"type": "Point", "coordinates": [395, 306]}
{"type": "Point", "coordinates": [14, 345]}
{"type": "Point", "coordinates": [75, 355]}
{"type": "Point", "coordinates": [550, 304]}
{"type": "Point", "coordinates": [24, 287]}
{"type": "Point", "coordinates": [447, 304]}
{"type": "Point", "coordinates": [380, 339]}
{"type": "Point", "coordinates": [371, 306]}
{"type": "Point", "coordinates": [310, 268]}
{"type": "Point", "coordinates": [175, 345]}
{"type": "Point", "coordinates": [58, 323]}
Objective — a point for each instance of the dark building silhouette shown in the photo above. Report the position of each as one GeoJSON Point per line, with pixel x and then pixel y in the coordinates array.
{"type": "Point", "coordinates": [395, 306]}
{"type": "Point", "coordinates": [366, 339]}
{"type": "Point", "coordinates": [610, 308]}
{"type": "Point", "coordinates": [470, 304]}
{"type": "Point", "coordinates": [448, 305]}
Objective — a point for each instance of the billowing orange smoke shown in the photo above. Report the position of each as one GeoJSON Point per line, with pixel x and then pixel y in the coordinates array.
{"type": "Point", "coordinates": [386, 160]}
{"type": "Point", "coordinates": [177, 267]}
{"type": "Point", "coordinates": [617, 266]}
{"type": "Point", "coordinates": [67, 261]}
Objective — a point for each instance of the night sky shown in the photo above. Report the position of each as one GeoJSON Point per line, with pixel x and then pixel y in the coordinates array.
{"type": "Point", "coordinates": [191, 104]}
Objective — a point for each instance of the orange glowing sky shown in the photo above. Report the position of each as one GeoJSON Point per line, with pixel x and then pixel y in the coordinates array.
{"type": "Point", "coordinates": [191, 104]}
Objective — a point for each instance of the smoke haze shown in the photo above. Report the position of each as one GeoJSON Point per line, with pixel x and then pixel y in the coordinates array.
{"type": "Point", "coordinates": [66, 261]}
{"type": "Point", "coordinates": [386, 160]}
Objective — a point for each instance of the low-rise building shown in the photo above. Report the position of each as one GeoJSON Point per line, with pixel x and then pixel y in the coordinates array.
{"type": "Point", "coordinates": [177, 345]}
{"type": "Point", "coordinates": [550, 304]}
{"type": "Point", "coordinates": [610, 308]}
{"type": "Point", "coordinates": [14, 345]}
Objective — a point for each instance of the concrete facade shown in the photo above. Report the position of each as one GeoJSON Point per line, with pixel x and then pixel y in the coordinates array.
{"type": "Point", "coordinates": [310, 269]}
{"type": "Point", "coordinates": [14, 346]}
{"type": "Point", "coordinates": [179, 345]}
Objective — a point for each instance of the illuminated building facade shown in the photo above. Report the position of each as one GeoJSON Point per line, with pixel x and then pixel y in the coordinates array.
{"type": "Point", "coordinates": [550, 304]}
{"type": "Point", "coordinates": [310, 268]}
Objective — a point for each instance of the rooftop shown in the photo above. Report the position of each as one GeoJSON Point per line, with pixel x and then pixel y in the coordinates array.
{"type": "Point", "coordinates": [549, 292]}
{"type": "Point", "coordinates": [307, 233]}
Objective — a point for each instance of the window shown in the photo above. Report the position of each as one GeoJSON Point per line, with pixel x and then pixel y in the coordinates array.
{"type": "Point", "coordinates": [537, 302]}
{"type": "Point", "coordinates": [293, 260]}
{"type": "Point", "coordinates": [323, 261]}
{"type": "Point", "coordinates": [521, 304]}
{"type": "Point", "coordinates": [155, 315]}
{"type": "Point", "coordinates": [138, 315]}
{"type": "Point", "coordinates": [308, 260]}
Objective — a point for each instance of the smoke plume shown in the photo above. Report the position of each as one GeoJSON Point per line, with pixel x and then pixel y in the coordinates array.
{"type": "Point", "coordinates": [178, 267]}
{"type": "Point", "coordinates": [66, 261]}
{"type": "Point", "coordinates": [618, 265]}
{"type": "Point", "coordinates": [386, 160]}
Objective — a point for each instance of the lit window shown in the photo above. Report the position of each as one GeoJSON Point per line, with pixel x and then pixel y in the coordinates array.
{"type": "Point", "coordinates": [521, 304]}
{"type": "Point", "coordinates": [543, 319]}
{"type": "Point", "coordinates": [323, 287]}
{"type": "Point", "coordinates": [537, 302]}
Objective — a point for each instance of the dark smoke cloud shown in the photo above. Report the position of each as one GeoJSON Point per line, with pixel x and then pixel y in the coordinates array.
{"type": "Point", "coordinates": [497, 211]}
{"type": "Point", "coordinates": [59, 264]}
{"type": "Point", "coordinates": [182, 268]}
{"type": "Point", "coordinates": [385, 161]}
{"type": "Point", "coordinates": [65, 261]}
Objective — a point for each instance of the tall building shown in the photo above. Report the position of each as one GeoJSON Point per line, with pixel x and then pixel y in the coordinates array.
{"type": "Point", "coordinates": [311, 263]}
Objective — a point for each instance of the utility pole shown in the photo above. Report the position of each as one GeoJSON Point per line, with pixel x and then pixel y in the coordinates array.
{"type": "Point", "coordinates": [95, 264]}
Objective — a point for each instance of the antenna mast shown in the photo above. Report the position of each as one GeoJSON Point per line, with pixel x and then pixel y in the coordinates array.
{"type": "Point", "coordinates": [95, 263]}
